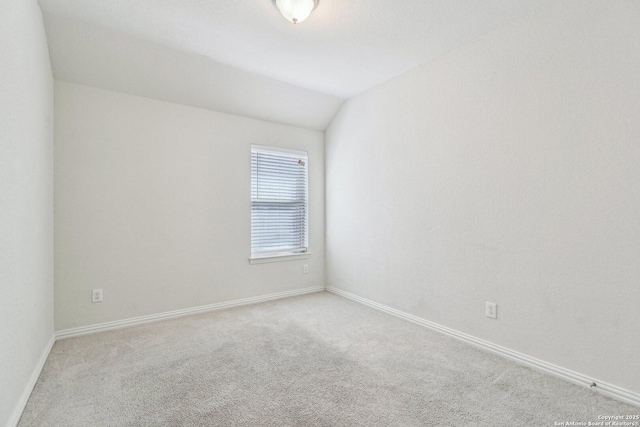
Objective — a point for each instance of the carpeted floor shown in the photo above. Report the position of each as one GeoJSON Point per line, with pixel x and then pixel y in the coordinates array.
{"type": "Point", "coordinates": [314, 360]}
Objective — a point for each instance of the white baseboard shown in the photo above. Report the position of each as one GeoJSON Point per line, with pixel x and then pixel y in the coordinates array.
{"type": "Point", "coordinates": [119, 324]}
{"type": "Point", "coordinates": [610, 390]}
{"type": "Point", "coordinates": [33, 379]}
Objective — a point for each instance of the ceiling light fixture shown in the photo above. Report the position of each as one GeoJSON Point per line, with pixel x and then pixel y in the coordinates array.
{"type": "Point", "coordinates": [296, 11]}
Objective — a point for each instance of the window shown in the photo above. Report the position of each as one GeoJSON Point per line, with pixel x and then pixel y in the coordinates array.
{"type": "Point", "coordinates": [278, 202]}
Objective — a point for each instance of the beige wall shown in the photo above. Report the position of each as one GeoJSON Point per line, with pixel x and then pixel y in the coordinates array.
{"type": "Point", "coordinates": [153, 206]}
{"type": "Point", "coordinates": [508, 171]}
{"type": "Point", "coordinates": [26, 201]}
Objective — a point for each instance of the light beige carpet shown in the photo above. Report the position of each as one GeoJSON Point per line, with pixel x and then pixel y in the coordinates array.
{"type": "Point", "coordinates": [315, 360]}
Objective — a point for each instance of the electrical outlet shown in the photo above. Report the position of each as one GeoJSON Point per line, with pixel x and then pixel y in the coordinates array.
{"type": "Point", "coordinates": [96, 295]}
{"type": "Point", "coordinates": [305, 269]}
{"type": "Point", "coordinates": [492, 310]}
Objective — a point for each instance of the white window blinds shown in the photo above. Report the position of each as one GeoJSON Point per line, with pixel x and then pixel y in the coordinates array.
{"type": "Point", "coordinates": [278, 202]}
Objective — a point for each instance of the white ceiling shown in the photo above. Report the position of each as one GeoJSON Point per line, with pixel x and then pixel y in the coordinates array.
{"type": "Point", "coordinates": [344, 48]}
{"type": "Point", "coordinates": [93, 56]}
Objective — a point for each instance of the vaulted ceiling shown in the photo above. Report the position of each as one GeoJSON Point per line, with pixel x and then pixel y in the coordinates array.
{"type": "Point", "coordinates": [242, 57]}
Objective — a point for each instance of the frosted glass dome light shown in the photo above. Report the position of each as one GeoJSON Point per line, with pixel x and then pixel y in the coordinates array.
{"type": "Point", "coordinates": [296, 11]}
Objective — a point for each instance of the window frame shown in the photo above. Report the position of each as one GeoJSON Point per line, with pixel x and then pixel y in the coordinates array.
{"type": "Point", "coordinates": [273, 256]}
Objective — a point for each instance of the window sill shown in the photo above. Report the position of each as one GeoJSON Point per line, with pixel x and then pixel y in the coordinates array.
{"type": "Point", "coordinates": [278, 258]}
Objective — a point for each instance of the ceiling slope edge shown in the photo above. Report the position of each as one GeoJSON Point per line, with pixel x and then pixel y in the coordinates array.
{"type": "Point", "coordinates": [94, 56]}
